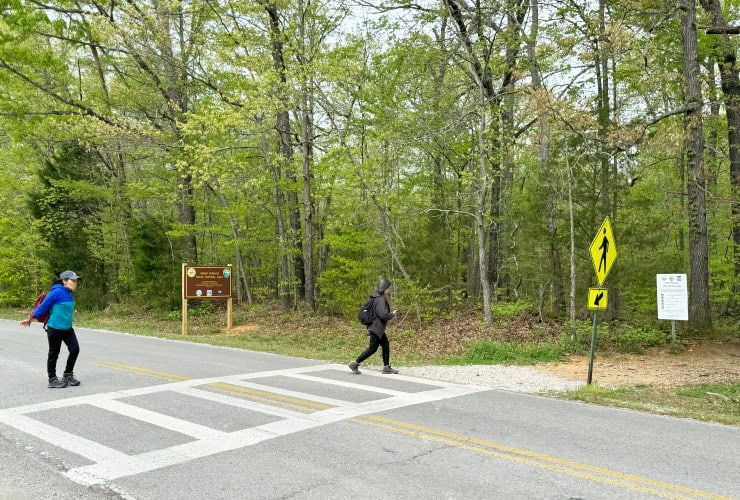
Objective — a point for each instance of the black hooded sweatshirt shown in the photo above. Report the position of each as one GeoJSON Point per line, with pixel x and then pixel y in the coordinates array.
{"type": "Point", "coordinates": [383, 313]}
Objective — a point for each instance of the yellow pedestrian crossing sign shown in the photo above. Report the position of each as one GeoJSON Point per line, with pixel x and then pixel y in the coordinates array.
{"type": "Point", "coordinates": [603, 251]}
{"type": "Point", "coordinates": [598, 298]}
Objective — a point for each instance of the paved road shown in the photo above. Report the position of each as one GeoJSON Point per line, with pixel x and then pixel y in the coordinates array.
{"type": "Point", "coordinates": [156, 419]}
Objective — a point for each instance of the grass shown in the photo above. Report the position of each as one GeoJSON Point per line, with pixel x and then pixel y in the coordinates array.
{"type": "Point", "coordinates": [489, 352]}
{"type": "Point", "coordinates": [514, 339]}
{"type": "Point", "coordinates": [709, 402]}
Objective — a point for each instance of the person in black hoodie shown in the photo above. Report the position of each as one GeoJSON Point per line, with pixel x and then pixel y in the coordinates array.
{"type": "Point", "coordinates": [376, 331]}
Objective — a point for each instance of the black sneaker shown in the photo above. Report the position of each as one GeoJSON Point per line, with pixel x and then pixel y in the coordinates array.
{"type": "Point", "coordinates": [353, 366]}
{"type": "Point", "coordinates": [70, 379]}
{"type": "Point", "coordinates": [55, 383]}
{"type": "Point", "coordinates": [387, 369]}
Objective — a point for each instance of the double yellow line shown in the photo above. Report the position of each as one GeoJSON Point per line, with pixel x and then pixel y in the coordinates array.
{"type": "Point", "coordinates": [571, 468]}
{"type": "Point", "coordinates": [576, 469]}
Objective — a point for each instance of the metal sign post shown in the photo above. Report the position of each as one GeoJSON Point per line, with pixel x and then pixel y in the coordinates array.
{"type": "Point", "coordinates": [593, 347]}
{"type": "Point", "coordinates": [598, 298]}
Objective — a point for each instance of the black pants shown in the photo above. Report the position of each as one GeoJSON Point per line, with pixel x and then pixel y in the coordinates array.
{"type": "Point", "coordinates": [56, 337]}
{"type": "Point", "coordinates": [376, 341]}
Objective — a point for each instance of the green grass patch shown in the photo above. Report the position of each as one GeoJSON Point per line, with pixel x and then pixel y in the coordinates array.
{"type": "Point", "coordinates": [709, 402]}
{"type": "Point", "coordinates": [728, 392]}
{"type": "Point", "coordinates": [491, 352]}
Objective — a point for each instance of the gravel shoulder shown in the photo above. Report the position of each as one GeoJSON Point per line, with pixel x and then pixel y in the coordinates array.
{"type": "Point", "coordinates": [707, 362]}
{"type": "Point", "coordinates": [507, 378]}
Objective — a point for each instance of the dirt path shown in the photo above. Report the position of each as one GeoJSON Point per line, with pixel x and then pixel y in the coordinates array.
{"type": "Point", "coordinates": [699, 363]}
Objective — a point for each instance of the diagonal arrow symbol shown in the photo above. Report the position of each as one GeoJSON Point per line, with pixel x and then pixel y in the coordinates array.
{"type": "Point", "coordinates": [598, 298]}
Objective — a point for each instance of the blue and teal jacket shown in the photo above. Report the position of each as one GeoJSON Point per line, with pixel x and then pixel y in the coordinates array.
{"type": "Point", "coordinates": [61, 305]}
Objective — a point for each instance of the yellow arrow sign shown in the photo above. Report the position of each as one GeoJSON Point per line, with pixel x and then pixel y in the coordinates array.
{"type": "Point", "coordinates": [603, 251]}
{"type": "Point", "coordinates": [598, 298]}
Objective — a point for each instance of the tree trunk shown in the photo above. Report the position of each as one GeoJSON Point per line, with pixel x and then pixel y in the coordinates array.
{"type": "Point", "coordinates": [307, 153]}
{"type": "Point", "coordinates": [494, 213]}
{"type": "Point", "coordinates": [546, 176]}
{"type": "Point", "coordinates": [602, 79]}
{"type": "Point", "coordinates": [480, 74]}
{"type": "Point", "coordinates": [699, 307]}
{"type": "Point", "coordinates": [283, 279]}
{"type": "Point", "coordinates": [242, 276]}
{"type": "Point", "coordinates": [286, 147]}
{"type": "Point", "coordinates": [681, 164]}
{"type": "Point", "coordinates": [727, 61]}
{"type": "Point", "coordinates": [480, 211]}
{"type": "Point", "coordinates": [174, 90]}
{"type": "Point", "coordinates": [502, 109]}
{"type": "Point", "coordinates": [572, 248]}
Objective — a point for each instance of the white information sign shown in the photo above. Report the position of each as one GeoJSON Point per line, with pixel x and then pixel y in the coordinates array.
{"type": "Point", "coordinates": [673, 297]}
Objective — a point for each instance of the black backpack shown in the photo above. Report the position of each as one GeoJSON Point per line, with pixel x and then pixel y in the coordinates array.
{"type": "Point", "coordinates": [367, 312]}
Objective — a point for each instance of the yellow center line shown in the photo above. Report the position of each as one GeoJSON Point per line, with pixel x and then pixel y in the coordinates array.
{"type": "Point", "coordinates": [270, 401]}
{"type": "Point", "coordinates": [142, 371]}
{"type": "Point", "coordinates": [534, 459]}
{"type": "Point", "coordinates": [524, 456]}
{"type": "Point", "coordinates": [303, 405]}
{"type": "Point", "coordinates": [520, 459]}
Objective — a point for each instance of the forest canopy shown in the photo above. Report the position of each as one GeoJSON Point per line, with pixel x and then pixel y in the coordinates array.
{"type": "Point", "coordinates": [467, 151]}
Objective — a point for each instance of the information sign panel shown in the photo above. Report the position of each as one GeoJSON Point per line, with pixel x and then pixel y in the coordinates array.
{"type": "Point", "coordinates": [673, 297]}
{"type": "Point", "coordinates": [207, 282]}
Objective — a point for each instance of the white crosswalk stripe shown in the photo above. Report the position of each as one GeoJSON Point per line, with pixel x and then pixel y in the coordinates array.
{"type": "Point", "coordinates": [109, 464]}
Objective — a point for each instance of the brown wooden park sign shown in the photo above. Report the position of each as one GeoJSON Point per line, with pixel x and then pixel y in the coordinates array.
{"type": "Point", "coordinates": [205, 282]}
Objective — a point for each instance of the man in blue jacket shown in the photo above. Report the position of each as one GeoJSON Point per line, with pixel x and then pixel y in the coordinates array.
{"type": "Point", "coordinates": [61, 305]}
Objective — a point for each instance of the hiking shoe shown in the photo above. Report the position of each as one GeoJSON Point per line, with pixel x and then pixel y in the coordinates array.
{"type": "Point", "coordinates": [70, 379]}
{"type": "Point", "coordinates": [353, 365]}
{"type": "Point", "coordinates": [387, 369]}
{"type": "Point", "coordinates": [55, 383]}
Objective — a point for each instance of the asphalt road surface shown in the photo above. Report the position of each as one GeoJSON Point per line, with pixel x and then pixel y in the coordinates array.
{"type": "Point", "coordinates": [156, 419]}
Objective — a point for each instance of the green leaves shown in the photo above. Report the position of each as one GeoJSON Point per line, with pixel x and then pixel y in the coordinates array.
{"type": "Point", "coordinates": [176, 106]}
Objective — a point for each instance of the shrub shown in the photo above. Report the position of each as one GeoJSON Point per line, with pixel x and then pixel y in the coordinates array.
{"type": "Point", "coordinates": [506, 310]}
{"type": "Point", "coordinates": [635, 339]}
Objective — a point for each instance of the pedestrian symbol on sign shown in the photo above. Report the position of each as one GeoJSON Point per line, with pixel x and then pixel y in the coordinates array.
{"type": "Point", "coordinates": [603, 251]}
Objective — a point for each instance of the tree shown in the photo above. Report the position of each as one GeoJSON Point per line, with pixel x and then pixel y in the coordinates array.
{"type": "Point", "coordinates": [699, 306]}
{"type": "Point", "coordinates": [68, 208]}
{"type": "Point", "coordinates": [547, 173]}
{"type": "Point", "coordinates": [726, 59]}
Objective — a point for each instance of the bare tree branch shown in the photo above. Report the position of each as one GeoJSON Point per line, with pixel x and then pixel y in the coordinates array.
{"type": "Point", "coordinates": [722, 30]}
{"type": "Point", "coordinates": [85, 110]}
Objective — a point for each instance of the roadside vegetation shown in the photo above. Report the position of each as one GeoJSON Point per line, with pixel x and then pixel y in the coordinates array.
{"type": "Point", "coordinates": [518, 338]}
{"type": "Point", "coordinates": [314, 150]}
{"type": "Point", "coordinates": [710, 402]}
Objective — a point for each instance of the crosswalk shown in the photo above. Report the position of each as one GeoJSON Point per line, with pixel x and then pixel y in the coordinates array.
{"type": "Point", "coordinates": [295, 399]}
